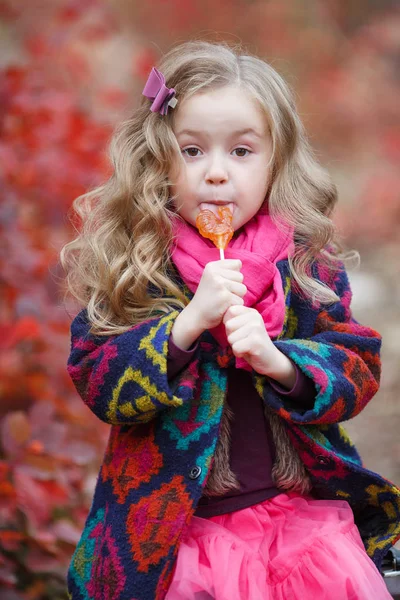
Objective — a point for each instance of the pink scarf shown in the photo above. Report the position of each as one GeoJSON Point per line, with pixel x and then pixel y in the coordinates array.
{"type": "Point", "coordinates": [259, 245]}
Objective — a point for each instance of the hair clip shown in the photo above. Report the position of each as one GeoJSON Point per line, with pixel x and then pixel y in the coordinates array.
{"type": "Point", "coordinates": [156, 90]}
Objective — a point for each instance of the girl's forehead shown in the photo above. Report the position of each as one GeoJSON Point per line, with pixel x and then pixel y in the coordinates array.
{"type": "Point", "coordinates": [222, 107]}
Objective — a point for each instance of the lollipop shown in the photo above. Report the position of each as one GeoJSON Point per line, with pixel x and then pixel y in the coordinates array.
{"type": "Point", "coordinates": [216, 228]}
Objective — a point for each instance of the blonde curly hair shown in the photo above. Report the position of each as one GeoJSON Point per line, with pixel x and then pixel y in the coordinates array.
{"type": "Point", "coordinates": [123, 247]}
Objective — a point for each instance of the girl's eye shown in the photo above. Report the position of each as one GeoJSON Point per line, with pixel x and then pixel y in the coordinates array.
{"type": "Point", "coordinates": [241, 150]}
{"type": "Point", "coordinates": [189, 151]}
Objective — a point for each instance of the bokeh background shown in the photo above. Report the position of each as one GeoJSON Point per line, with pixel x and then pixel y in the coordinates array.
{"type": "Point", "coordinates": [70, 70]}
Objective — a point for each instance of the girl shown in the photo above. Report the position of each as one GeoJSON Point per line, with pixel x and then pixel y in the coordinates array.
{"type": "Point", "coordinates": [226, 474]}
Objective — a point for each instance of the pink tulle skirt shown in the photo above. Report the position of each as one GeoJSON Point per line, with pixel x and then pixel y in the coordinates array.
{"type": "Point", "coordinates": [289, 547]}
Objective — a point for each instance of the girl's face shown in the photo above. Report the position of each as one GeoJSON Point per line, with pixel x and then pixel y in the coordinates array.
{"type": "Point", "coordinates": [226, 147]}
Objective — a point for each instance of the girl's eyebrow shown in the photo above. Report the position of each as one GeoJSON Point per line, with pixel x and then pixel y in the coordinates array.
{"type": "Point", "coordinates": [233, 133]}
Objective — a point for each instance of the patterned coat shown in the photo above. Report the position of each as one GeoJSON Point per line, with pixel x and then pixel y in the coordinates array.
{"type": "Point", "coordinates": [164, 434]}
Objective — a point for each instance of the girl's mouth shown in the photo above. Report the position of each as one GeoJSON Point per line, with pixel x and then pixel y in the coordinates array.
{"type": "Point", "coordinates": [213, 206]}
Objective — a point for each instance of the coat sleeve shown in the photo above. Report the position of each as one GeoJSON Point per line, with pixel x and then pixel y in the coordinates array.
{"type": "Point", "coordinates": [123, 378]}
{"type": "Point", "coordinates": [341, 357]}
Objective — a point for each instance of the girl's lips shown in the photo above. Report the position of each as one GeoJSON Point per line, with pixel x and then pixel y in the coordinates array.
{"type": "Point", "coordinates": [214, 207]}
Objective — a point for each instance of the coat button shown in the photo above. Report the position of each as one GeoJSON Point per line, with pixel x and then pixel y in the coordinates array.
{"type": "Point", "coordinates": [324, 460]}
{"type": "Point", "coordinates": [195, 472]}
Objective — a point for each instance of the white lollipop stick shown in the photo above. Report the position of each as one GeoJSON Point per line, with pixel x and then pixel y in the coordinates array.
{"type": "Point", "coordinates": [221, 254]}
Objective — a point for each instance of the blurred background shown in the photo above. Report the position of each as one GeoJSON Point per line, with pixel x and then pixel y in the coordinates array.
{"type": "Point", "coordinates": [70, 70]}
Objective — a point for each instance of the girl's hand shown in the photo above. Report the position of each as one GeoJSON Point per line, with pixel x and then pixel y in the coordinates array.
{"type": "Point", "coordinates": [221, 286]}
{"type": "Point", "coordinates": [246, 333]}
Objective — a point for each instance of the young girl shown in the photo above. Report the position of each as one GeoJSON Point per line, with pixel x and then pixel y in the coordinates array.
{"type": "Point", "coordinates": [226, 475]}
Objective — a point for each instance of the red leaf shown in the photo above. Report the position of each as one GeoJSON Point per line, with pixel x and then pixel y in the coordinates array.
{"type": "Point", "coordinates": [32, 499]}
{"type": "Point", "coordinates": [26, 328]}
{"type": "Point", "coordinates": [67, 532]}
{"type": "Point", "coordinates": [37, 46]}
{"type": "Point", "coordinates": [15, 432]}
{"type": "Point", "coordinates": [10, 540]}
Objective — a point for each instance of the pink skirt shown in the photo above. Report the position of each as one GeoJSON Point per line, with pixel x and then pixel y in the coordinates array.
{"type": "Point", "coordinates": [289, 547]}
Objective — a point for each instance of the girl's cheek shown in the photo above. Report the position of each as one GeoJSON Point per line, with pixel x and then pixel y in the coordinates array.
{"type": "Point", "coordinates": [193, 170]}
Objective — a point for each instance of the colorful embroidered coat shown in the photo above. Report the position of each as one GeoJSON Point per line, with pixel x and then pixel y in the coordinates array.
{"type": "Point", "coordinates": [164, 434]}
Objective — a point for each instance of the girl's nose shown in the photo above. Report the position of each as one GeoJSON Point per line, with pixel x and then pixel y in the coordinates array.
{"type": "Point", "coordinates": [216, 171]}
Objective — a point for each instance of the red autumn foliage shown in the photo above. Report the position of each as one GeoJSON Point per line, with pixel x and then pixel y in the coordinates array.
{"type": "Point", "coordinates": [58, 106]}
{"type": "Point", "coordinates": [51, 151]}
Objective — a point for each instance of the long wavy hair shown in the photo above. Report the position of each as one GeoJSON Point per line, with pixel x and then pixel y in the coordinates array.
{"type": "Point", "coordinates": [119, 265]}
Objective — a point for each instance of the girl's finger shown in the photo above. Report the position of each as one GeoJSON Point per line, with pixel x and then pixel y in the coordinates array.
{"type": "Point", "coordinates": [237, 335]}
{"type": "Point", "coordinates": [236, 301]}
{"type": "Point", "coordinates": [236, 288]}
{"type": "Point", "coordinates": [232, 275]}
{"type": "Point", "coordinates": [234, 311]}
{"type": "Point", "coordinates": [240, 347]}
{"type": "Point", "coordinates": [237, 322]}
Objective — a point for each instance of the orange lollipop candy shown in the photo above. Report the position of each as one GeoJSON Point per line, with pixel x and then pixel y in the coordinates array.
{"type": "Point", "coordinates": [216, 228]}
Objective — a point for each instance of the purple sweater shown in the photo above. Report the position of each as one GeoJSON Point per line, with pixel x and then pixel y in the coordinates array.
{"type": "Point", "coordinates": [250, 431]}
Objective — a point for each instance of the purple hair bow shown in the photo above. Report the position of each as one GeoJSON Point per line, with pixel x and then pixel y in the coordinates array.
{"type": "Point", "coordinates": [156, 90]}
